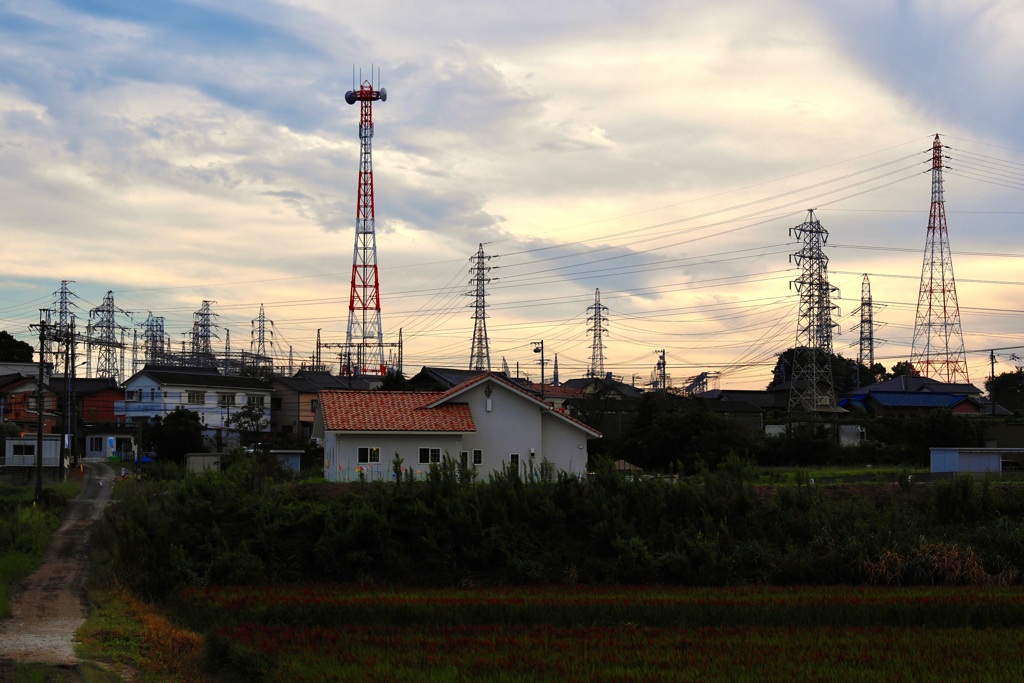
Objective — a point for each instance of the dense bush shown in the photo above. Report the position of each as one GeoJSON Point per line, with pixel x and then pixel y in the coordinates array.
{"type": "Point", "coordinates": [715, 527]}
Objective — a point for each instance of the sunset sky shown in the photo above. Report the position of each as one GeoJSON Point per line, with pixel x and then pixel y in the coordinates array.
{"type": "Point", "coordinates": [176, 152]}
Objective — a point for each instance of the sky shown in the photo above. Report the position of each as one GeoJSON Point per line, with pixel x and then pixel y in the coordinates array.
{"type": "Point", "coordinates": [654, 153]}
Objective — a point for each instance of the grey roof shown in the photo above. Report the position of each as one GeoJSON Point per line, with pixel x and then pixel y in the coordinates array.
{"type": "Point", "coordinates": [762, 399]}
{"type": "Point", "coordinates": [917, 399]}
{"type": "Point", "coordinates": [311, 382]}
{"type": "Point", "coordinates": [202, 377]}
{"type": "Point", "coordinates": [444, 377]}
{"type": "Point", "coordinates": [625, 390]}
{"type": "Point", "coordinates": [84, 385]}
{"type": "Point", "coordinates": [913, 383]}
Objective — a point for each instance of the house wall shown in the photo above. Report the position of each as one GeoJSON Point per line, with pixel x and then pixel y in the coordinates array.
{"type": "Point", "coordinates": [146, 398]}
{"type": "Point", "coordinates": [296, 414]}
{"type": "Point", "coordinates": [563, 445]}
{"type": "Point", "coordinates": [99, 406]}
{"type": "Point", "coordinates": [513, 425]}
{"type": "Point", "coordinates": [341, 453]}
{"type": "Point", "coordinates": [105, 445]}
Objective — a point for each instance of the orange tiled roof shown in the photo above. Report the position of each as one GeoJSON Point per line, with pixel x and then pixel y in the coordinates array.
{"type": "Point", "coordinates": [392, 411]}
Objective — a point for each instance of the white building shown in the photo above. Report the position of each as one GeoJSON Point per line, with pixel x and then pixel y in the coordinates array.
{"type": "Point", "coordinates": [487, 422]}
{"type": "Point", "coordinates": [156, 391]}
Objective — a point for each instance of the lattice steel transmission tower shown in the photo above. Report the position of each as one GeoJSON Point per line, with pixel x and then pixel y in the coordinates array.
{"type": "Point", "coordinates": [364, 338]}
{"type": "Point", "coordinates": [866, 355]}
{"type": "Point", "coordinates": [811, 387]}
{"type": "Point", "coordinates": [480, 353]}
{"type": "Point", "coordinates": [260, 338]}
{"type": "Point", "coordinates": [938, 347]}
{"type": "Point", "coordinates": [597, 318]}
{"type": "Point", "coordinates": [154, 340]}
{"type": "Point", "coordinates": [61, 333]}
{"type": "Point", "coordinates": [202, 334]}
{"type": "Point", "coordinates": [103, 334]}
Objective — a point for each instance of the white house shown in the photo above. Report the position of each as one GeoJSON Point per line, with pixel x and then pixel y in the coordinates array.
{"type": "Point", "coordinates": [157, 390]}
{"type": "Point", "coordinates": [486, 422]}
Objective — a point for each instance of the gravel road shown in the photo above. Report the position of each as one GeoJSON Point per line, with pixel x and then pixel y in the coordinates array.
{"type": "Point", "coordinates": [49, 606]}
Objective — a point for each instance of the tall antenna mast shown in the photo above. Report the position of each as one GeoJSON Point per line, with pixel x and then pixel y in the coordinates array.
{"type": "Point", "coordinates": [597, 319]}
{"type": "Point", "coordinates": [480, 353]}
{"type": "Point", "coordinates": [364, 338]}
{"type": "Point", "coordinates": [812, 388]}
{"type": "Point", "coordinates": [938, 347]}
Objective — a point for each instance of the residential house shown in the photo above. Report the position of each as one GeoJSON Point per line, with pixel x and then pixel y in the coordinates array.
{"type": "Point", "coordinates": [18, 398]}
{"type": "Point", "coordinates": [442, 379]}
{"type": "Point", "coordinates": [488, 423]}
{"type": "Point", "coordinates": [431, 378]}
{"type": "Point", "coordinates": [157, 390]}
{"type": "Point", "coordinates": [604, 403]}
{"type": "Point", "coordinates": [294, 399]}
{"type": "Point", "coordinates": [907, 395]}
{"type": "Point", "coordinates": [97, 430]}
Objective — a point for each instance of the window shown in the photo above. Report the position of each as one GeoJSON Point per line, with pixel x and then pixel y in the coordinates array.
{"type": "Point", "coordinates": [226, 400]}
{"type": "Point", "coordinates": [95, 444]}
{"type": "Point", "coordinates": [478, 456]}
{"type": "Point", "coordinates": [314, 404]}
{"type": "Point", "coordinates": [131, 395]}
{"type": "Point", "coordinates": [257, 401]}
{"type": "Point", "coordinates": [464, 458]}
{"type": "Point", "coordinates": [24, 449]}
{"type": "Point", "coordinates": [154, 394]}
{"type": "Point", "coordinates": [368, 455]}
{"type": "Point", "coordinates": [196, 398]}
{"type": "Point", "coordinates": [513, 461]}
{"type": "Point", "coordinates": [429, 455]}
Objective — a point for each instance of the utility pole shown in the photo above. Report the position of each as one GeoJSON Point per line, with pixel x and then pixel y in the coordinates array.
{"type": "Point", "coordinates": [44, 320]}
{"type": "Point", "coordinates": [538, 347]}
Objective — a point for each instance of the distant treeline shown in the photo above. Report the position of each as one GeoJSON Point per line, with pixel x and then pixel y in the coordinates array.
{"type": "Point", "coordinates": [247, 527]}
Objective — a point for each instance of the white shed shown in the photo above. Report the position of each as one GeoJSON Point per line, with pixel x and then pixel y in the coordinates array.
{"type": "Point", "coordinates": [968, 460]}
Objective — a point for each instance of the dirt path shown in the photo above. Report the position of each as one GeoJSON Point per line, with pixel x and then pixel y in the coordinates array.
{"type": "Point", "coordinates": [50, 606]}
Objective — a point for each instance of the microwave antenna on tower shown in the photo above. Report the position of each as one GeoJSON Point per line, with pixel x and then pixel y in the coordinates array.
{"type": "Point", "coordinates": [364, 338]}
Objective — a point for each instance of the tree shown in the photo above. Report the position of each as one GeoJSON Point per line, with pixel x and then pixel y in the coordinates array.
{"type": "Point", "coordinates": [14, 351]}
{"type": "Point", "coordinates": [904, 367]}
{"type": "Point", "coordinates": [180, 432]}
{"type": "Point", "coordinates": [845, 372]}
{"type": "Point", "coordinates": [250, 421]}
{"type": "Point", "coordinates": [1007, 389]}
{"type": "Point", "coordinates": [394, 381]}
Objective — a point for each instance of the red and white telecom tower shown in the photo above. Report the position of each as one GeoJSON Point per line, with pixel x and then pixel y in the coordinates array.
{"type": "Point", "coordinates": [938, 347]}
{"type": "Point", "coordinates": [364, 339]}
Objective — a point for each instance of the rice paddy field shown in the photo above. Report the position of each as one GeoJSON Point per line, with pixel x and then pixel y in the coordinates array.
{"type": "Point", "coordinates": [340, 632]}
